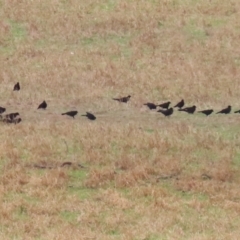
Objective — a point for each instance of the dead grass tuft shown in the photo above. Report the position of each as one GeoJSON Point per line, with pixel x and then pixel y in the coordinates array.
{"type": "Point", "coordinates": [99, 177]}
{"type": "Point", "coordinates": [56, 178]}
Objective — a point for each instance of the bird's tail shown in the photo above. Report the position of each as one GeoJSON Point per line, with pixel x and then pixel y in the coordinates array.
{"type": "Point", "coordinates": [18, 120]}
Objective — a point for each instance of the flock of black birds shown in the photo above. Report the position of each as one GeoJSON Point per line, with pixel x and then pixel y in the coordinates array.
{"type": "Point", "coordinates": [14, 117]}
{"type": "Point", "coordinates": [164, 109]}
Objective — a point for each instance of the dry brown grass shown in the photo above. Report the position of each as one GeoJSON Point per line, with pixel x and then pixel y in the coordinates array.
{"type": "Point", "coordinates": [144, 176]}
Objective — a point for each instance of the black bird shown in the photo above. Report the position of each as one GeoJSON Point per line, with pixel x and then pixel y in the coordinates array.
{"type": "Point", "coordinates": [2, 110]}
{"type": "Point", "coordinates": [190, 110]}
{"type": "Point", "coordinates": [165, 105]}
{"type": "Point", "coordinates": [16, 120]}
{"type": "Point", "coordinates": [89, 116]}
{"type": "Point", "coordinates": [12, 116]}
{"type": "Point", "coordinates": [166, 112]}
{"type": "Point", "coordinates": [43, 105]}
{"type": "Point", "coordinates": [151, 105]}
{"type": "Point", "coordinates": [206, 112]}
{"type": "Point", "coordinates": [70, 113]}
{"type": "Point", "coordinates": [238, 111]}
{"type": "Point", "coordinates": [180, 104]}
{"type": "Point", "coordinates": [16, 87]}
{"type": "Point", "coordinates": [226, 110]}
{"type": "Point", "coordinates": [124, 99]}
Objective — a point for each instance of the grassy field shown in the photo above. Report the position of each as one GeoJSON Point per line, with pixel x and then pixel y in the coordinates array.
{"type": "Point", "coordinates": [135, 174]}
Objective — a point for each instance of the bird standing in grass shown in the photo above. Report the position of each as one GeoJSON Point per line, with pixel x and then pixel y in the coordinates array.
{"type": "Point", "coordinates": [238, 111]}
{"type": "Point", "coordinates": [71, 113]}
{"type": "Point", "coordinates": [206, 112]}
{"type": "Point", "coordinates": [89, 116]}
{"type": "Point", "coordinates": [150, 105]}
{"type": "Point", "coordinates": [166, 112]}
{"type": "Point", "coordinates": [180, 104]}
{"type": "Point", "coordinates": [43, 105]}
{"type": "Point", "coordinates": [16, 87]}
{"type": "Point", "coordinates": [11, 116]}
{"type": "Point", "coordinates": [165, 105]}
{"type": "Point", "coordinates": [15, 120]}
{"type": "Point", "coordinates": [190, 110]}
{"type": "Point", "coordinates": [124, 99]}
{"type": "Point", "coordinates": [226, 110]}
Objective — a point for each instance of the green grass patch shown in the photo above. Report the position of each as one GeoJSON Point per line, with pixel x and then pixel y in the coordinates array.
{"type": "Point", "coordinates": [194, 32]}
{"type": "Point", "coordinates": [21, 213]}
{"type": "Point", "coordinates": [15, 36]}
{"type": "Point", "coordinates": [108, 5]}
{"type": "Point", "coordinates": [76, 185]}
{"type": "Point", "coordinates": [105, 42]}
{"type": "Point", "coordinates": [78, 175]}
{"type": "Point", "coordinates": [69, 216]}
{"type": "Point", "coordinates": [18, 31]}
